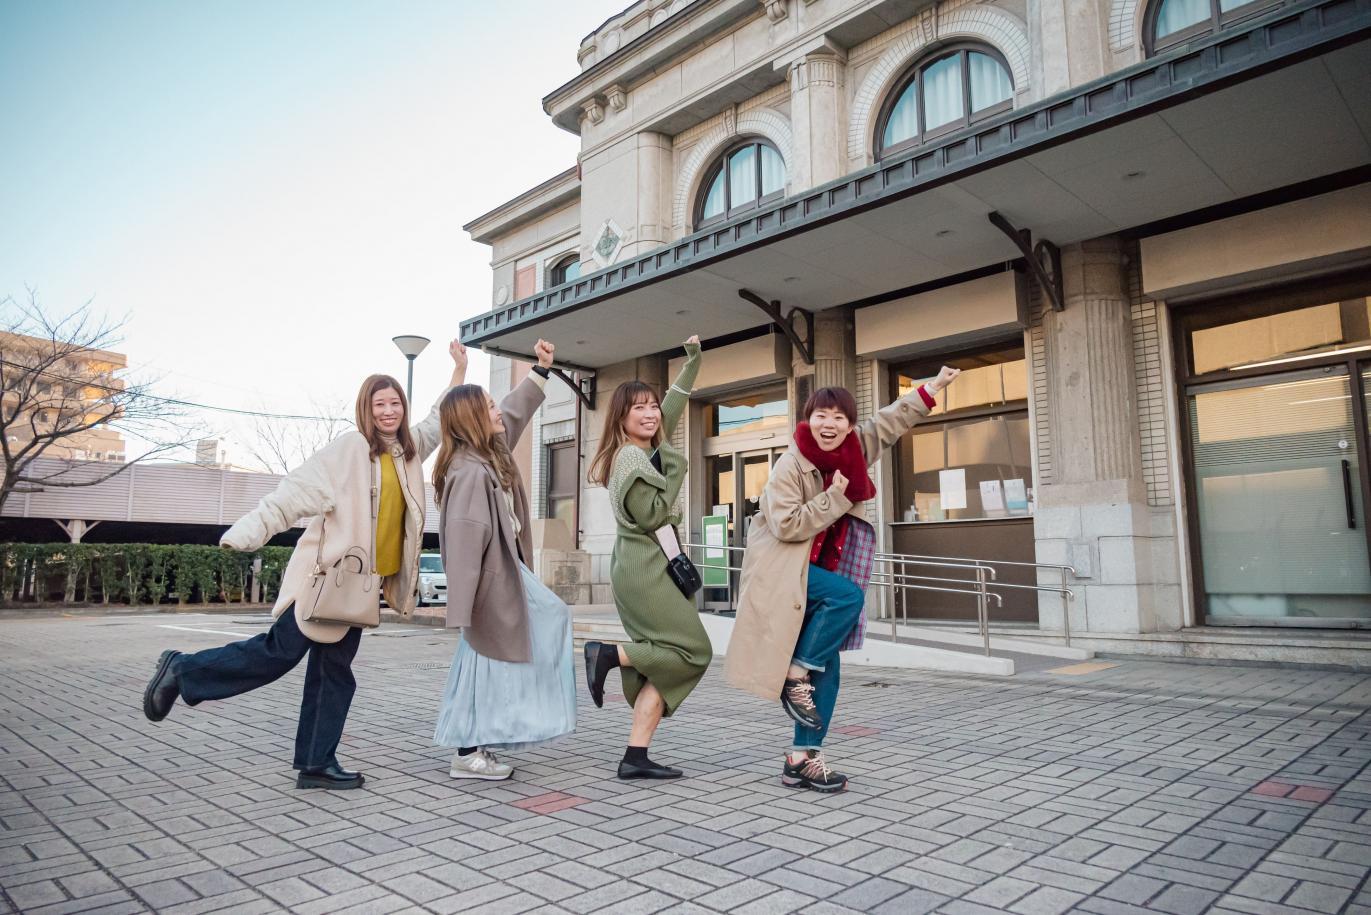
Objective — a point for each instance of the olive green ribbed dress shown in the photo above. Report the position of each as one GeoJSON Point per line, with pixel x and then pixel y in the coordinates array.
{"type": "Point", "coordinates": [670, 647]}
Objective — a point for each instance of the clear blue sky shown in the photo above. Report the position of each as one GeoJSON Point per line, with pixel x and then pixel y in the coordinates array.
{"type": "Point", "coordinates": [271, 190]}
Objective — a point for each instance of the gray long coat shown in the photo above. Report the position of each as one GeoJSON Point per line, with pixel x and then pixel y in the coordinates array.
{"type": "Point", "coordinates": [485, 591]}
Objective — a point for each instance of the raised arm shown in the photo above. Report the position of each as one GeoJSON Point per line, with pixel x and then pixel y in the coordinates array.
{"type": "Point", "coordinates": [674, 403]}
{"type": "Point", "coordinates": [304, 492]}
{"type": "Point", "coordinates": [520, 404]}
{"type": "Point", "coordinates": [884, 429]}
{"type": "Point", "coordinates": [427, 433]}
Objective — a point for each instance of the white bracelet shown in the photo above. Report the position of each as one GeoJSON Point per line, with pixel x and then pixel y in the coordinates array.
{"type": "Point", "coordinates": [679, 389]}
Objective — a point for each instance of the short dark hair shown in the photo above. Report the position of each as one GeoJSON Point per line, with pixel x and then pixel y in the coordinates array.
{"type": "Point", "coordinates": [840, 399]}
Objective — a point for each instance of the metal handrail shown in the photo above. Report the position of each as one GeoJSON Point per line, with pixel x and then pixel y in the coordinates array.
{"type": "Point", "coordinates": [1063, 570]}
{"type": "Point", "coordinates": [897, 580]}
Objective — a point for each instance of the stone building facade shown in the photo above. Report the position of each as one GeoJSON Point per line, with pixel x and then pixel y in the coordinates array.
{"type": "Point", "coordinates": [1141, 228]}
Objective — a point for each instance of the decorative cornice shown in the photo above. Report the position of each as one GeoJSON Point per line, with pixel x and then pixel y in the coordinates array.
{"type": "Point", "coordinates": [594, 110]}
{"type": "Point", "coordinates": [618, 98]}
{"type": "Point", "coordinates": [776, 10]}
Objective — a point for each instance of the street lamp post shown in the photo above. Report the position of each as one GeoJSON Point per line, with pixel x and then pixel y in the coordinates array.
{"type": "Point", "coordinates": [411, 345]}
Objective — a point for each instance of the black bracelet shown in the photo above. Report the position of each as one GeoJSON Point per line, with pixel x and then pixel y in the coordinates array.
{"type": "Point", "coordinates": [541, 371]}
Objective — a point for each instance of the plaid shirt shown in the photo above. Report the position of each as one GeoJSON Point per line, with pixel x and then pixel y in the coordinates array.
{"type": "Point", "coordinates": [859, 554]}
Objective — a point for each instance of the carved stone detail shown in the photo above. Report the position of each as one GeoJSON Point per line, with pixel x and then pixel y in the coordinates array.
{"type": "Point", "coordinates": [776, 10]}
{"type": "Point", "coordinates": [594, 111]}
{"type": "Point", "coordinates": [618, 98]}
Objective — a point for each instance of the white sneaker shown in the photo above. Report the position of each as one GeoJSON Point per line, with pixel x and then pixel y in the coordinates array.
{"type": "Point", "coordinates": [482, 764]}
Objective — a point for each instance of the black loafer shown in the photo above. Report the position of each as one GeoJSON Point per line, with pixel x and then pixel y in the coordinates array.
{"type": "Point", "coordinates": [596, 672]}
{"type": "Point", "coordinates": [162, 689]}
{"type": "Point", "coordinates": [632, 770]}
{"type": "Point", "coordinates": [332, 777]}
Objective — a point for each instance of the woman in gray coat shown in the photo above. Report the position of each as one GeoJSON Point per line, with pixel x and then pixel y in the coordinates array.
{"type": "Point", "coordinates": [511, 684]}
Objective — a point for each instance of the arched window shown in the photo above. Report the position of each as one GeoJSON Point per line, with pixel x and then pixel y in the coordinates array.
{"type": "Point", "coordinates": [746, 176]}
{"type": "Point", "coordinates": [1173, 22]}
{"type": "Point", "coordinates": [951, 88]}
{"type": "Point", "coordinates": [565, 270]}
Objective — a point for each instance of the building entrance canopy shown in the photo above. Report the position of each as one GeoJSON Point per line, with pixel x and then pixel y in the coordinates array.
{"type": "Point", "coordinates": [1283, 100]}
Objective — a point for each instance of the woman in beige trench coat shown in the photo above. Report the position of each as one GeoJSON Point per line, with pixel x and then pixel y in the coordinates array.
{"type": "Point", "coordinates": [807, 564]}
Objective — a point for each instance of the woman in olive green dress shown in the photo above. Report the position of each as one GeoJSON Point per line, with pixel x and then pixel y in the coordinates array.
{"type": "Point", "coordinates": [670, 650]}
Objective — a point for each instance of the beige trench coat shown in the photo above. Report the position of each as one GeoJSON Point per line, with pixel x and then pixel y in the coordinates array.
{"type": "Point", "coordinates": [795, 507]}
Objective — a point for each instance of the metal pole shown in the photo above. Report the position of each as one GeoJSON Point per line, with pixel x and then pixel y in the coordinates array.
{"type": "Point", "coordinates": [1066, 608]}
{"type": "Point", "coordinates": [409, 382]}
{"type": "Point", "coordinates": [982, 610]}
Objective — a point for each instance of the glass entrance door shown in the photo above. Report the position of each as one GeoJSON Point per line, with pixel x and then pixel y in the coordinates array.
{"type": "Point", "coordinates": [734, 487]}
{"type": "Point", "coordinates": [1278, 479]}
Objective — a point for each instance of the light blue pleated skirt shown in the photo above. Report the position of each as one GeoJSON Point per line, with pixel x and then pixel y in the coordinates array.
{"type": "Point", "coordinates": [504, 705]}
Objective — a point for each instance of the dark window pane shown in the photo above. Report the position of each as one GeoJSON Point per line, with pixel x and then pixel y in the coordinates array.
{"type": "Point", "coordinates": [1175, 15]}
{"type": "Point", "coordinates": [716, 198]}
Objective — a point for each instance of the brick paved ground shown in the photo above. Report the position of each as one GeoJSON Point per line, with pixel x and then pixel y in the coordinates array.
{"type": "Point", "coordinates": [1141, 787]}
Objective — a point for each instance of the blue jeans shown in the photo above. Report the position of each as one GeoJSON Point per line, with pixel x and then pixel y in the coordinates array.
{"type": "Point", "coordinates": [833, 606]}
{"type": "Point", "coordinates": [217, 673]}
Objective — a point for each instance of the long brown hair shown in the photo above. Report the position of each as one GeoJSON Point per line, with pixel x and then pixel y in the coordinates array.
{"type": "Point", "coordinates": [614, 437]}
{"type": "Point", "coordinates": [464, 414]}
{"type": "Point", "coordinates": [366, 424]}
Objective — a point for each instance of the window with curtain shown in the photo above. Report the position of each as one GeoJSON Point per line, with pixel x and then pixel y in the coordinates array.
{"type": "Point", "coordinates": [565, 270]}
{"type": "Point", "coordinates": [745, 177]}
{"type": "Point", "coordinates": [949, 89]}
{"type": "Point", "coordinates": [1174, 22]}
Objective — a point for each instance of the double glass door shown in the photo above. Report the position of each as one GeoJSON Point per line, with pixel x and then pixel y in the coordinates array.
{"type": "Point", "coordinates": [734, 488]}
{"type": "Point", "coordinates": [1277, 410]}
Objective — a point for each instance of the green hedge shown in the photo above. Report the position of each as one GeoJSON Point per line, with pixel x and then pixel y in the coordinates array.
{"type": "Point", "coordinates": [134, 573]}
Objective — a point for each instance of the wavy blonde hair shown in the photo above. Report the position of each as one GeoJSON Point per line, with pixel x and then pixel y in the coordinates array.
{"type": "Point", "coordinates": [614, 437]}
{"type": "Point", "coordinates": [464, 415]}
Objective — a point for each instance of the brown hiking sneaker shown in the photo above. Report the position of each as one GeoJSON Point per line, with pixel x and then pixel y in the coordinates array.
{"type": "Point", "coordinates": [812, 773]}
{"type": "Point", "coordinates": [797, 698]}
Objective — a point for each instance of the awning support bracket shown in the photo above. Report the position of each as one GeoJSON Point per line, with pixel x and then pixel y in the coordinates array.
{"type": "Point", "coordinates": [1049, 276]}
{"type": "Point", "coordinates": [784, 322]}
{"type": "Point", "coordinates": [582, 384]}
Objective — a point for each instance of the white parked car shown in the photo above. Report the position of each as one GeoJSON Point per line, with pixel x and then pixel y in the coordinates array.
{"type": "Point", "coordinates": [432, 580]}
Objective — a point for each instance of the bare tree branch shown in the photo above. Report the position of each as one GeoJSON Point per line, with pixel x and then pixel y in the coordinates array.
{"type": "Point", "coordinates": [280, 445]}
{"type": "Point", "coordinates": [61, 386]}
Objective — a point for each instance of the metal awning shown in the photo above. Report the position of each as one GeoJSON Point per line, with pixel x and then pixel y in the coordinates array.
{"type": "Point", "coordinates": [1283, 100]}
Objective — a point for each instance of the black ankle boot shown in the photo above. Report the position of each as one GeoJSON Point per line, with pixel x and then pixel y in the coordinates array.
{"type": "Point", "coordinates": [600, 660]}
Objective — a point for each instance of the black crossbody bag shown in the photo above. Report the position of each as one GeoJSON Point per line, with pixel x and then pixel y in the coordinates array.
{"type": "Point", "coordinates": [679, 568]}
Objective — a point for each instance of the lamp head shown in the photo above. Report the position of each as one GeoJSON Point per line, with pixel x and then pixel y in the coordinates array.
{"type": "Point", "coordinates": [410, 344]}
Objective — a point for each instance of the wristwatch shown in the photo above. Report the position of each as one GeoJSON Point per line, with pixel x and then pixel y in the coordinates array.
{"type": "Point", "coordinates": [541, 371]}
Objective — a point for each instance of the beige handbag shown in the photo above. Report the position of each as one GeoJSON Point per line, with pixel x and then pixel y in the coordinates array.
{"type": "Point", "coordinates": [348, 591]}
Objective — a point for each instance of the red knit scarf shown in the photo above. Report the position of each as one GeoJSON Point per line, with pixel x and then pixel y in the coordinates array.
{"type": "Point", "coordinates": [827, 548]}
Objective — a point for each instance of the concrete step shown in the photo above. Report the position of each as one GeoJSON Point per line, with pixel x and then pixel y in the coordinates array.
{"type": "Point", "coordinates": [970, 638]}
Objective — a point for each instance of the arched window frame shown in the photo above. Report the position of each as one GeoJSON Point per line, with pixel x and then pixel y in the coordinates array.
{"type": "Point", "coordinates": [557, 275]}
{"type": "Point", "coordinates": [719, 164]}
{"type": "Point", "coordinates": [1218, 19]}
{"type": "Point", "coordinates": [914, 73]}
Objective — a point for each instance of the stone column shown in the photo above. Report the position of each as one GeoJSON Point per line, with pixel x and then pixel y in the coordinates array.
{"type": "Point", "coordinates": [1092, 511]}
{"type": "Point", "coordinates": [817, 101]}
{"type": "Point", "coordinates": [835, 361]}
{"type": "Point", "coordinates": [1074, 41]}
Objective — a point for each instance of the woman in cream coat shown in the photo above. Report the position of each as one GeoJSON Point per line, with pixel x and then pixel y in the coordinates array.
{"type": "Point", "coordinates": [365, 487]}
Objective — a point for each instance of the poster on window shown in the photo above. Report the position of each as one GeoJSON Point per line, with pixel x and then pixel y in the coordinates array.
{"type": "Point", "coordinates": [1016, 497]}
{"type": "Point", "coordinates": [714, 571]}
{"type": "Point", "coordinates": [952, 488]}
{"type": "Point", "coordinates": [992, 498]}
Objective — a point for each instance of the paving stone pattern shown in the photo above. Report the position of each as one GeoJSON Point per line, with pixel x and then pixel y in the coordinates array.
{"type": "Point", "coordinates": [1145, 787]}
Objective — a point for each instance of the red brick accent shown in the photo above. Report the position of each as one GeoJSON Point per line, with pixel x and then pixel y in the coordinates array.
{"type": "Point", "coordinates": [1310, 793]}
{"type": "Point", "coordinates": [551, 802]}
{"type": "Point", "coordinates": [1273, 789]}
{"type": "Point", "coordinates": [855, 730]}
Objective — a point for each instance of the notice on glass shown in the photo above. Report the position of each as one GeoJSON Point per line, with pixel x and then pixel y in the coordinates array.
{"type": "Point", "coordinates": [952, 488]}
{"type": "Point", "coordinates": [1016, 496]}
{"type": "Point", "coordinates": [992, 497]}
